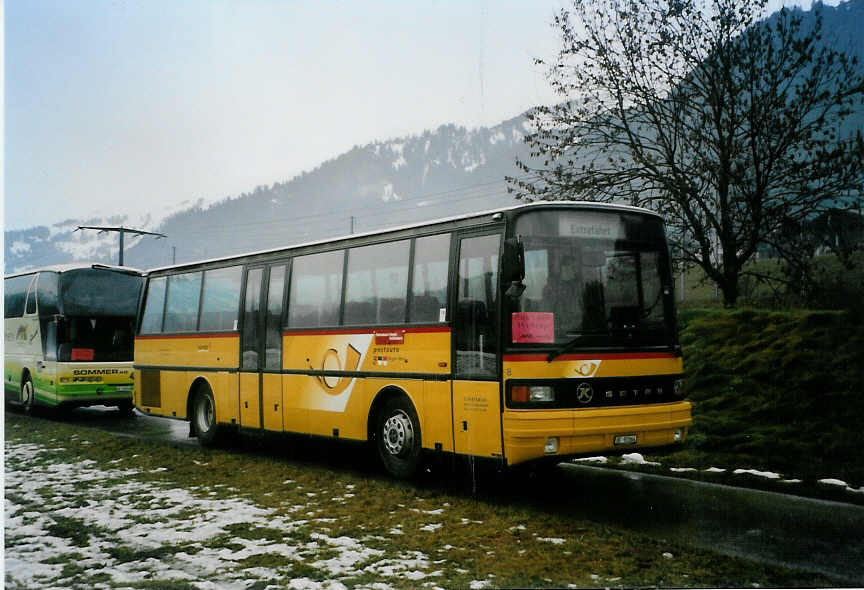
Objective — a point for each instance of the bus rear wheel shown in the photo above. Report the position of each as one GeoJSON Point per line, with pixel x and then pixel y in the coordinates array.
{"type": "Point", "coordinates": [397, 434]}
{"type": "Point", "coordinates": [204, 417]}
{"type": "Point", "coordinates": [27, 394]}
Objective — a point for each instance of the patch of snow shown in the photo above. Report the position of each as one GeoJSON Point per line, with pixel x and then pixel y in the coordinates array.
{"type": "Point", "coordinates": [668, 555]}
{"type": "Point", "coordinates": [591, 460]}
{"type": "Point", "coordinates": [636, 459]}
{"type": "Point", "coordinates": [715, 470]}
{"type": "Point", "coordinates": [765, 474]}
{"type": "Point", "coordinates": [834, 482]}
{"type": "Point", "coordinates": [399, 162]}
{"type": "Point", "coordinates": [497, 137]}
{"type": "Point", "coordinates": [553, 540]}
{"type": "Point", "coordinates": [431, 528]}
{"type": "Point", "coordinates": [108, 505]}
{"type": "Point", "coordinates": [790, 481]}
{"type": "Point", "coordinates": [682, 469]}
{"type": "Point", "coordinates": [389, 194]}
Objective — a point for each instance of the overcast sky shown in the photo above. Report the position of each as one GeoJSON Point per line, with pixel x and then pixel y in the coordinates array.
{"type": "Point", "coordinates": [127, 106]}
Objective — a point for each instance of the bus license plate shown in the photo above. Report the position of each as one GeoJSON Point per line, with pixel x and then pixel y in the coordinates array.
{"type": "Point", "coordinates": [625, 439]}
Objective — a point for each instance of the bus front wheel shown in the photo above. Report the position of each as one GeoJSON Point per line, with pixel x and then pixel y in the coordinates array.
{"type": "Point", "coordinates": [27, 394]}
{"type": "Point", "coordinates": [398, 437]}
{"type": "Point", "coordinates": [204, 417]}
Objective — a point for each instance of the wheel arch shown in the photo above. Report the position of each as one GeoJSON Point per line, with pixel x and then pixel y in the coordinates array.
{"type": "Point", "coordinates": [199, 382]}
{"type": "Point", "coordinates": [381, 398]}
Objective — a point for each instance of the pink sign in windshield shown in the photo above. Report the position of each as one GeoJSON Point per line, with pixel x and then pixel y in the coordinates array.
{"type": "Point", "coordinates": [533, 326]}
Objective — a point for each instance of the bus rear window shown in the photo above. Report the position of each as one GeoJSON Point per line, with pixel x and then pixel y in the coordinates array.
{"type": "Point", "coordinates": [99, 292]}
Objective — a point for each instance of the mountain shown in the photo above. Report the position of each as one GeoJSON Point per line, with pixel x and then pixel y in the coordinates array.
{"type": "Point", "coordinates": [448, 171]}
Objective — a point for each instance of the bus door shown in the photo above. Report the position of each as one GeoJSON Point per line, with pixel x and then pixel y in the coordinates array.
{"type": "Point", "coordinates": [476, 358]}
{"type": "Point", "coordinates": [261, 348]}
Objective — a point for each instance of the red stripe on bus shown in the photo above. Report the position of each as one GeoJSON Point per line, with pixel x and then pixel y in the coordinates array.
{"type": "Point", "coordinates": [516, 358]}
{"type": "Point", "coordinates": [189, 335]}
{"type": "Point", "coordinates": [338, 331]}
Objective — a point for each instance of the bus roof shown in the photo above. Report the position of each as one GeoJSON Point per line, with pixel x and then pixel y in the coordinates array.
{"type": "Point", "coordinates": [431, 222]}
{"type": "Point", "coordinates": [61, 268]}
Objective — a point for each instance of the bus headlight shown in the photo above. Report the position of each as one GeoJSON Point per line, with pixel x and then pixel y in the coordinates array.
{"type": "Point", "coordinates": [551, 446]}
{"type": "Point", "coordinates": [532, 394]}
{"type": "Point", "coordinates": [542, 393]}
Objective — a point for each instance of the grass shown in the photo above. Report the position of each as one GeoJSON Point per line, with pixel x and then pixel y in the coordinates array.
{"type": "Point", "coordinates": [488, 539]}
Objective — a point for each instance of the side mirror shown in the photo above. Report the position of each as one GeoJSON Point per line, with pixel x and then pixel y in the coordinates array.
{"type": "Point", "coordinates": [513, 261]}
{"type": "Point", "coordinates": [513, 267]}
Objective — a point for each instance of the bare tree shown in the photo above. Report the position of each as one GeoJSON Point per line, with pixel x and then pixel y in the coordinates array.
{"type": "Point", "coordinates": [728, 125]}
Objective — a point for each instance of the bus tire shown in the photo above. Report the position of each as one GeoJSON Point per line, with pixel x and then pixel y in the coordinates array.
{"type": "Point", "coordinates": [203, 417]}
{"type": "Point", "coordinates": [28, 393]}
{"type": "Point", "coordinates": [397, 434]}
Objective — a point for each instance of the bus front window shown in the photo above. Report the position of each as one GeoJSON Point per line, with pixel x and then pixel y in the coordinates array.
{"type": "Point", "coordinates": [598, 277]}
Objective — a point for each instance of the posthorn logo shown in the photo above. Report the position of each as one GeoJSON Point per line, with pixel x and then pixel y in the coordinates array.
{"type": "Point", "coordinates": [584, 393]}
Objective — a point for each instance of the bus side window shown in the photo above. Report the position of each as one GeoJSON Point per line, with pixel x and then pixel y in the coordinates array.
{"type": "Point", "coordinates": [154, 306]}
{"type": "Point", "coordinates": [377, 284]}
{"type": "Point", "coordinates": [429, 278]}
{"type": "Point", "coordinates": [221, 299]}
{"type": "Point", "coordinates": [316, 290]}
{"type": "Point", "coordinates": [46, 294]}
{"type": "Point", "coordinates": [273, 322]}
{"type": "Point", "coordinates": [31, 297]}
{"type": "Point", "coordinates": [15, 293]}
{"type": "Point", "coordinates": [181, 310]}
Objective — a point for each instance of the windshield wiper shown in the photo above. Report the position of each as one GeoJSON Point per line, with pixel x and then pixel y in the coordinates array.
{"type": "Point", "coordinates": [572, 343]}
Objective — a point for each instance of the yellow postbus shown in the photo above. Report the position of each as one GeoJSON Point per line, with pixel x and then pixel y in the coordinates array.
{"type": "Point", "coordinates": [537, 331]}
{"type": "Point", "coordinates": [69, 333]}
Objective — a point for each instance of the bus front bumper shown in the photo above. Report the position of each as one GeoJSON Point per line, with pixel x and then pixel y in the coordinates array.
{"type": "Point", "coordinates": [535, 434]}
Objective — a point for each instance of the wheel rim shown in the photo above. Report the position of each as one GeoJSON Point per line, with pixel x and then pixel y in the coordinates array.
{"type": "Point", "coordinates": [398, 433]}
{"type": "Point", "coordinates": [204, 414]}
{"type": "Point", "coordinates": [27, 394]}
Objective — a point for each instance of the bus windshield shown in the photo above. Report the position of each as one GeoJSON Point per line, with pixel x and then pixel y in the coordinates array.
{"type": "Point", "coordinates": [592, 279]}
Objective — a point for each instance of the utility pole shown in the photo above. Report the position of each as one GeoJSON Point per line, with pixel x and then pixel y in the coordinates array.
{"type": "Point", "coordinates": [122, 231]}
